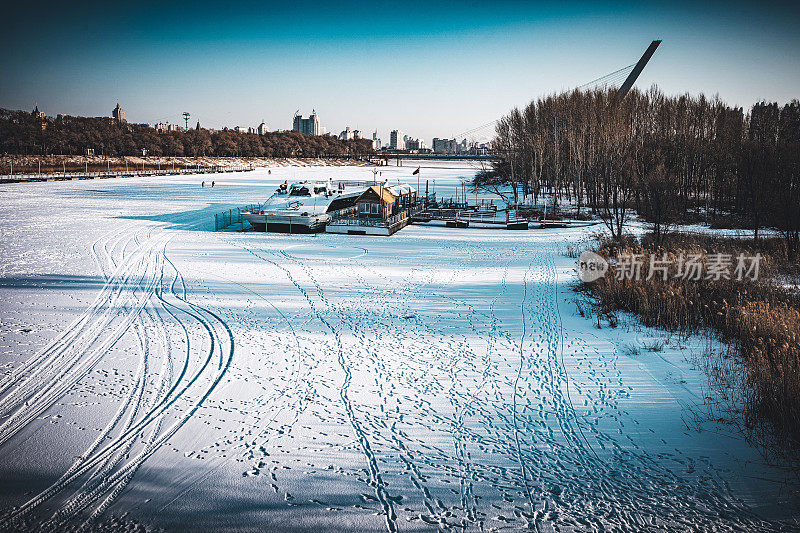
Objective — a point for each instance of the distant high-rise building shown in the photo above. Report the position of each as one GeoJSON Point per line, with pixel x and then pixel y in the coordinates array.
{"type": "Point", "coordinates": [347, 134]}
{"type": "Point", "coordinates": [36, 113]}
{"type": "Point", "coordinates": [376, 143]}
{"type": "Point", "coordinates": [262, 128]}
{"type": "Point", "coordinates": [444, 146]}
{"type": "Point", "coordinates": [414, 144]}
{"type": "Point", "coordinates": [396, 140]}
{"type": "Point", "coordinates": [308, 125]}
{"type": "Point", "coordinates": [161, 127]}
{"type": "Point", "coordinates": [118, 113]}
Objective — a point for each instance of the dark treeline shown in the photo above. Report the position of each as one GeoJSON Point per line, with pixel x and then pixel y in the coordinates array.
{"type": "Point", "coordinates": [672, 159]}
{"type": "Point", "coordinates": [23, 133]}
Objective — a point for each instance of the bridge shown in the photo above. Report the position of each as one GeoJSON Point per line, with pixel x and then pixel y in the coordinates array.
{"type": "Point", "coordinates": [622, 79]}
{"type": "Point", "coordinates": [399, 157]}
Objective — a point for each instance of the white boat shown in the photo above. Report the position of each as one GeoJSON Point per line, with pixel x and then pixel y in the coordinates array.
{"type": "Point", "coordinates": [303, 207]}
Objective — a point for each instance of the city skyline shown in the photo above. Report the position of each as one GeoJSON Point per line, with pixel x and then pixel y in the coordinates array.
{"type": "Point", "coordinates": [429, 69]}
{"type": "Point", "coordinates": [309, 125]}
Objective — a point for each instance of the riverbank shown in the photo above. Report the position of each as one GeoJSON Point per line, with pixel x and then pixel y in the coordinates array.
{"type": "Point", "coordinates": [740, 291]}
{"type": "Point", "coordinates": [11, 165]}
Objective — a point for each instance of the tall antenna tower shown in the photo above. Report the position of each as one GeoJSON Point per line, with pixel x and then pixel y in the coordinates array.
{"type": "Point", "coordinates": [186, 119]}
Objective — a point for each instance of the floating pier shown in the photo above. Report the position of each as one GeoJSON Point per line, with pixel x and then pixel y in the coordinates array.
{"type": "Point", "coordinates": [464, 215]}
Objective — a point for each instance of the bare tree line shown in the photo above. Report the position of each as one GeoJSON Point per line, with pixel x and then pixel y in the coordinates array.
{"type": "Point", "coordinates": [671, 158]}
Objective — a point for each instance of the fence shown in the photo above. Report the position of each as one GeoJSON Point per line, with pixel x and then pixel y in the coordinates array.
{"type": "Point", "coordinates": [233, 216]}
{"type": "Point", "coordinates": [350, 217]}
{"type": "Point", "coordinates": [132, 172]}
{"type": "Point", "coordinates": [355, 183]}
{"type": "Point", "coordinates": [347, 212]}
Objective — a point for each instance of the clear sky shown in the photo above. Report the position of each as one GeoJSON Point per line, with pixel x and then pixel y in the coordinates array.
{"type": "Point", "coordinates": [426, 68]}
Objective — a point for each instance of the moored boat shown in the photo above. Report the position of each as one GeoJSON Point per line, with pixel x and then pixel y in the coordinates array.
{"type": "Point", "coordinates": [302, 207]}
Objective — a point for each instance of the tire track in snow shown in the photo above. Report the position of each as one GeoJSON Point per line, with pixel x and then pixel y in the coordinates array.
{"type": "Point", "coordinates": [109, 294]}
{"type": "Point", "coordinates": [33, 396]}
{"type": "Point", "coordinates": [104, 481]}
{"type": "Point", "coordinates": [297, 407]}
{"type": "Point", "coordinates": [376, 480]}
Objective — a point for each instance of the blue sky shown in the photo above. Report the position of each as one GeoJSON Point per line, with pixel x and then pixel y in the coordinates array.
{"type": "Point", "coordinates": [427, 68]}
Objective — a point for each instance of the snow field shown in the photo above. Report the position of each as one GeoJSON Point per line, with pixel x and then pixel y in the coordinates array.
{"type": "Point", "coordinates": [436, 379]}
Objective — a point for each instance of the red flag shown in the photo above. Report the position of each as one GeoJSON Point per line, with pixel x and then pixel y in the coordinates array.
{"type": "Point", "coordinates": [416, 172]}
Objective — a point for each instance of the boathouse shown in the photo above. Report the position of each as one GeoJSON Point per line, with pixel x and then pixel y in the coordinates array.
{"type": "Point", "coordinates": [379, 202]}
{"type": "Point", "coordinates": [379, 210]}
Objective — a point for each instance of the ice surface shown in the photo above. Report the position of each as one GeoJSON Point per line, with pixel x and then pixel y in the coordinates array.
{"type": "Point", "coordinates": [438, 378]}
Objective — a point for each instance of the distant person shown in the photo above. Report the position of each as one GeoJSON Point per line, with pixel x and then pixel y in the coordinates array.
{"type": "Point", "coordinates": [203, 184]}
{"type": "Point", "coordinates": [269, 171]}
{"type": "Point", "coordinates": [212, 184]}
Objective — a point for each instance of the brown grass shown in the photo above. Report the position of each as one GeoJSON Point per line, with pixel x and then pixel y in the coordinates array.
{"type": "Point", "coordinates": [758, 320]}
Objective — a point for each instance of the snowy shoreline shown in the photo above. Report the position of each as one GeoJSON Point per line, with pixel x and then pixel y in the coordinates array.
{"type": "Point", "coordinates": [22, 164]}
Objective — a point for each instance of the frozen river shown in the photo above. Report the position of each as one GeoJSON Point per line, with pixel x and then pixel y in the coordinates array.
{"type": "Point", "coordinates": [186, 379]}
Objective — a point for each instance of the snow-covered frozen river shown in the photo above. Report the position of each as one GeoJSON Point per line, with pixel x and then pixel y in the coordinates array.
{"type": "Point", "coordinates": [440, 378]}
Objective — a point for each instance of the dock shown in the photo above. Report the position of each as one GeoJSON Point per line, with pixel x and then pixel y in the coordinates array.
{"type": "Point", "coordinates": [464, 215]}
{"type": "Point", "coordinates": [385, 210]}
